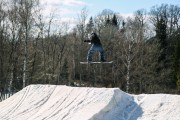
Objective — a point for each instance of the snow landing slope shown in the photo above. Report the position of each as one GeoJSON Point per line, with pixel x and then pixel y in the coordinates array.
{"type": "Point", "coordinates": [50, 102]}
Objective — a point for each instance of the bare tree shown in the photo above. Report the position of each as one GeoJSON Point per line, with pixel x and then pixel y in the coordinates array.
{"type": "Point", "coordinates": [15, 41]}
{"type": "Point", "coordinates": [174, 18]}
{"type": "Point", "coordinates": [3, 46]}
{"type": "Point", "coordinates": [81, 29]}
{"type": "Point", "coordinates": [131, 43]}
{"type": "Point", "coordinates": [170, 13]}
{"type": "Point", "coordinates": [26, 20]}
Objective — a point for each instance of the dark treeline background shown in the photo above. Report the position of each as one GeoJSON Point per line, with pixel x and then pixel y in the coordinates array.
{"type": "Point", "coordinates": [145, 49]}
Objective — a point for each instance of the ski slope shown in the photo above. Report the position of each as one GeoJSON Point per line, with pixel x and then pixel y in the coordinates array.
{"type": "Point", "coordinates": [51, 102]}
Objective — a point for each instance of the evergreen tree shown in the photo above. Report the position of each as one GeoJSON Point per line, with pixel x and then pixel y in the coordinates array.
{"type": "Point", "coordinates": [123, 24]}
{"type": "Point", "coordinates": [108, 20]}
{"type": "Point", "coordinates": [177, 58]}
{"type": "Point", "coordinates": [114, 21]}
{"type": "Point", "coordinates": [161, 36]}
{"type": "Point", "coordinates": [90, 25]}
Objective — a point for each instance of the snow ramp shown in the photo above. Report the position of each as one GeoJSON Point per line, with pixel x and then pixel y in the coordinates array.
{"type": "Point", "coordinates": [51, 102]}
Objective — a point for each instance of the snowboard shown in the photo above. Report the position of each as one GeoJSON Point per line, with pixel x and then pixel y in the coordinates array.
{"type": "Point", "coordinates": [108, 62]}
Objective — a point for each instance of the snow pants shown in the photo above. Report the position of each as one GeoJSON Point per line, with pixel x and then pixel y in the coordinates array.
{"type": "Point", "coordinates": [96, 48]}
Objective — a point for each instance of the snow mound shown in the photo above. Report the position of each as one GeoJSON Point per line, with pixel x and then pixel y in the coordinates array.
{"type": "Point", "coordinates": [50, 102]}
{"type": "Point", "coordinates": [158, 106]}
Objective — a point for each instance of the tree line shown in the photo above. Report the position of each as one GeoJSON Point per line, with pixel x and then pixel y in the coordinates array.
{"type": "Point", "coordinates": [145, 49]}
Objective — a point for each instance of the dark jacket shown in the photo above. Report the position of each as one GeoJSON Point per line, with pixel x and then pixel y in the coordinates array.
{"type": "Point", "coordinates": [94, 39]}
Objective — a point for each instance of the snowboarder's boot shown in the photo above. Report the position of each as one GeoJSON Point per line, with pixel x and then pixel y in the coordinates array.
{"type": "Point", "coordinates": [103, 60]}
{"type": "Point", "coordinates": [89, 61]}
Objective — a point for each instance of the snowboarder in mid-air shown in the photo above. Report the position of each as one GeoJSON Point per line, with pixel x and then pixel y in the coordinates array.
{"type": "Point", "coordinates": [96, 47]}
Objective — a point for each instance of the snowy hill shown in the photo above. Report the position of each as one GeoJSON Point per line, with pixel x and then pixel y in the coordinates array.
{"type": "Point", "coordinates": [50, 102]}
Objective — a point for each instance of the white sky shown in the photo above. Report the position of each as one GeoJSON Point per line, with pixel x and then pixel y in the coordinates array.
{"type": "Point", "coordinates": [68, 10]}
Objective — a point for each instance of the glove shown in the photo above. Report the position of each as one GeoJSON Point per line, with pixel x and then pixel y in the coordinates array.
{"type": "Point", "coordinates": [87, 40]}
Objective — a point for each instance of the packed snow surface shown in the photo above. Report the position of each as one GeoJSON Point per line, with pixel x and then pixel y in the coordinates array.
{"type": "Point", "coordinates": [51, 102]}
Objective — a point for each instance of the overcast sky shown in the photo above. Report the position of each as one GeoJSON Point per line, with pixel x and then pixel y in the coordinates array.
{"type": "Point", "coordinates": [68, 10]}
